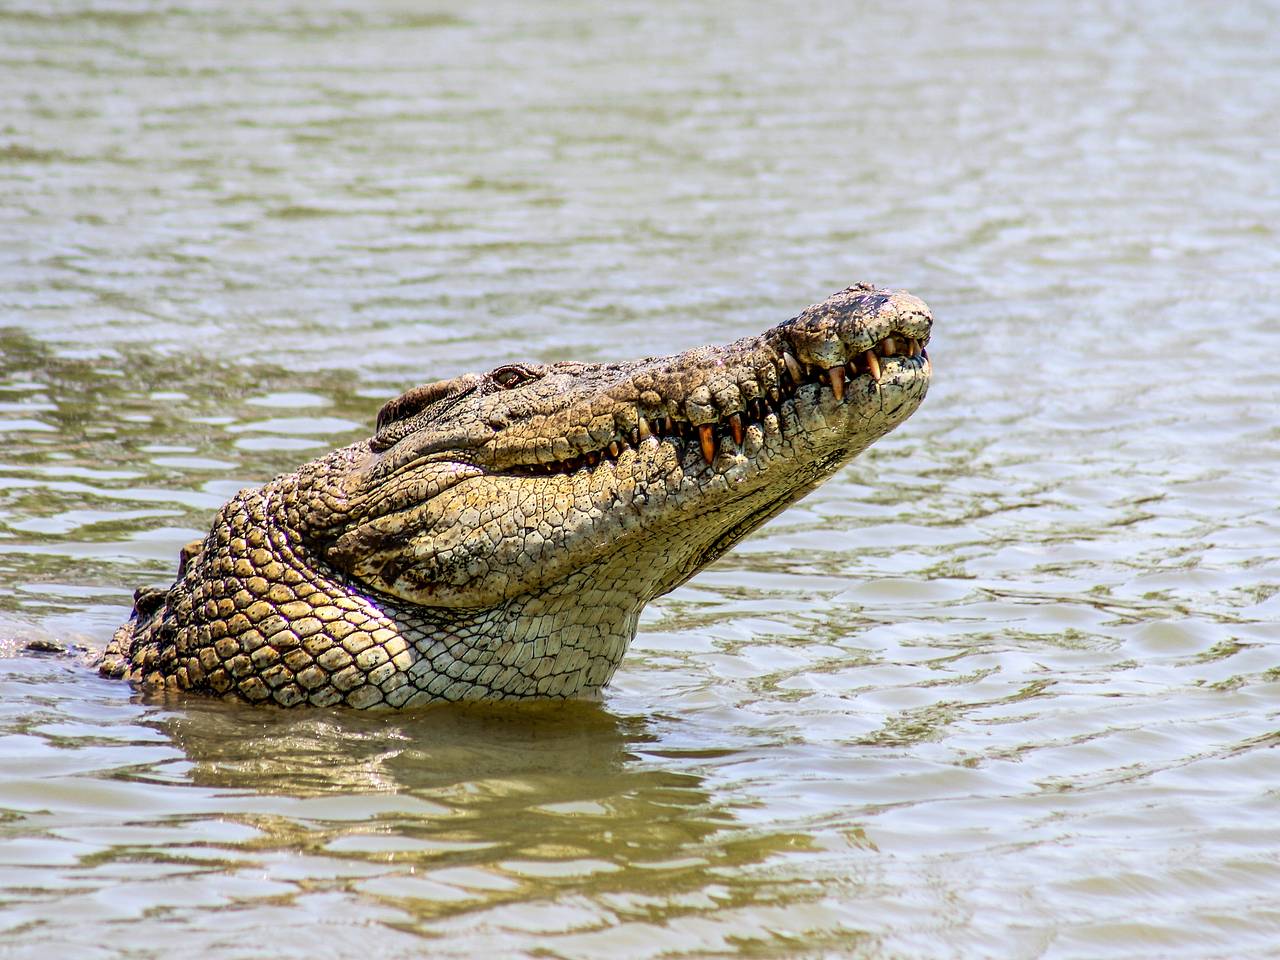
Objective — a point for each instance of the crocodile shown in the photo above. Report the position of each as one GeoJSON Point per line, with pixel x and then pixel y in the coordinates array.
{"type": "Point", "coordinates": [498, 535]}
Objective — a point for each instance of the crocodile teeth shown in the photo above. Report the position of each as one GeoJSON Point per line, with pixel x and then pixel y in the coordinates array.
{"type": "Point", "coordinates": [837, 381]}
{"type": "Point", "coordinates": [872, 364]}
{"type": "Point", "coordinates": [707, 437]}
{"type": "Point", "coordinates": [758, 409]}
{"type": "Point", "coordinates": [735, 424]}
{"type": "Point", "coordinates": [793, 367]}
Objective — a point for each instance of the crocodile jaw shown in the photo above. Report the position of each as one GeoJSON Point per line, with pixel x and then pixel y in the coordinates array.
{"type": "Point", "coordinates": [659, 465]}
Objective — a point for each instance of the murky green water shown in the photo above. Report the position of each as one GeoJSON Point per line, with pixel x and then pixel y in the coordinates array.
{"type": "Point", "coordinates": [1008, 686]}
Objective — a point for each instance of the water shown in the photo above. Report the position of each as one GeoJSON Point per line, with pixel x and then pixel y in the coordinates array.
{"type": "Point", "coordinates": [1007, 686]}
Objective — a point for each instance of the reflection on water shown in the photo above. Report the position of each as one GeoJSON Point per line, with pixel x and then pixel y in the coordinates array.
{"type": "Point", "coordinates": [523, 815]}
{"type": "Point", "coordinates": [1005, 687]}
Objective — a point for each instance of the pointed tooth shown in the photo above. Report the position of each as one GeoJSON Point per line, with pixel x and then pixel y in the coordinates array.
{"type": "Point", "coordinates": [643, 430]}
{"type": "Point", "coordinates": [707, 437]}
{"type": "Point", "coordinates": [837, 381]}
{"type": "Point", "coordinates": [668, 427]}
{"type": "Point", "coordinates": [614, 450]}
{"type": "Point", "coordinates": [873, 365]}
{"type": "Point", "coordinates": [888, 346]}
{"type": "Point", "coordinates": [793, 368]}
{"type": "Point", "coordinates": [735, 425]}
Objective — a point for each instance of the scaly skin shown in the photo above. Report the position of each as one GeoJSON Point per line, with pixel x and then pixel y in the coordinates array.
{"type": "Point", "coordinates": [499, 534]}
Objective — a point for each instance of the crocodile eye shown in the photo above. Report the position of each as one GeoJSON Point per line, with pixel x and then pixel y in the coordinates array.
{"type": "Point", "coordinates": [510, 377]}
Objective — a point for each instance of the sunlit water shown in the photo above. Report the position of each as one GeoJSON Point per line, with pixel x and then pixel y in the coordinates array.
{"type": "Point", "coordinates": [1007, 686]}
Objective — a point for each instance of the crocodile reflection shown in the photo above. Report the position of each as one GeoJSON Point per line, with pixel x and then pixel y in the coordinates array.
{"type": "Point", "coordinates": [452, 816]}
{"type": "Point", "coordinates": [536, 780]}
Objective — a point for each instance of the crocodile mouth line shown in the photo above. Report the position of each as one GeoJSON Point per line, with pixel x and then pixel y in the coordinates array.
{"type": "Point", "coordinates": [792, 376]}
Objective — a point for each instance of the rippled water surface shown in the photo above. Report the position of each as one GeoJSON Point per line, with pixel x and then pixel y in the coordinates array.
{"type": "Point", "coordinates": [1007, 686]}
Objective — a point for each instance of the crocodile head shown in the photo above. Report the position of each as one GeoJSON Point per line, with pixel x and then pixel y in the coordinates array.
{"type": "Point", "coordinates": [498, 522]}
{"type": "Point", "coordinates": [484, 487]}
